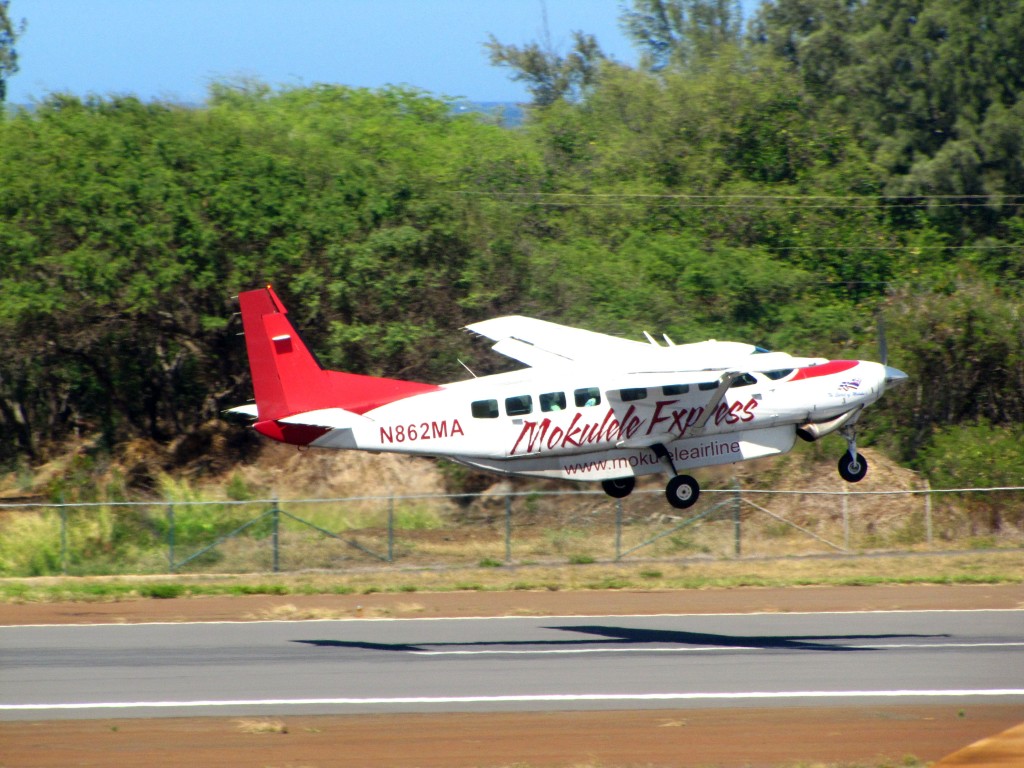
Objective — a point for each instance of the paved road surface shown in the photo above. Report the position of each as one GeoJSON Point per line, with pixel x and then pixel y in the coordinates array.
{"type": "Point", "coordinates": [439, 665]}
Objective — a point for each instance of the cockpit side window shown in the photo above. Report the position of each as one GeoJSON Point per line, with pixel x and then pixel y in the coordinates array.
{"type": "Point", "coordinates": [633, 393]}
{"type": "Point", "coordinates": [743, 380]}
{"type": "Point", "coordinates": [777, 375]}
{"type": "Point", "coordinates": [587, 397]}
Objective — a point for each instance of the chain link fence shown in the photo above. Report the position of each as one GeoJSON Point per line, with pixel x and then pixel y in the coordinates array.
{"type": "Point", "coordinates": [273, 535]}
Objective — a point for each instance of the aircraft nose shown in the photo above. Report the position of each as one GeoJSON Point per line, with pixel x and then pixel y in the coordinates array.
{"type": "Point", "coordinates": [894, 376]}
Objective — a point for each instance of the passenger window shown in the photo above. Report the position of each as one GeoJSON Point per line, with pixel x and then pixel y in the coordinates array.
{"type": "Point", "coordinates": [707, 386]}
{"type": "Point", "coordinates": [776, 375]}
{"type": "Point", "coordinates": [634, 393]}
{"type": "Point", "coordinates": [675, 389]}
{"type": "Point", "coordinates": [587, 397]}
{"type": "Point", "coordinates": [745, 380]}
{"type": "Point", "coordinates": [520, 405]}
{"type": "Point", "coordinates": [485, 409]}
{"type": "Point", "coordinates": [552, 401]}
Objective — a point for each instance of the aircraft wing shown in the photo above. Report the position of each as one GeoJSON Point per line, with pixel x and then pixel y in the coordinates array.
{"type": "Point", "coordinates": [540, 343]}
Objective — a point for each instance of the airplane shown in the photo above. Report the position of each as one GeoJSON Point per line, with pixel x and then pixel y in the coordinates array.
{"type": "Point", "coordinates": [587, 406]}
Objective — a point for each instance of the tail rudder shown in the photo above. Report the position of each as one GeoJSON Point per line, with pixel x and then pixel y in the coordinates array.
{"type": "Point", "coordinates": [286, 377]}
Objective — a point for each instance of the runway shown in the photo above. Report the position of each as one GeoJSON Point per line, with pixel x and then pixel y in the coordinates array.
{"type": "Point", "coordinates": [512, 664]}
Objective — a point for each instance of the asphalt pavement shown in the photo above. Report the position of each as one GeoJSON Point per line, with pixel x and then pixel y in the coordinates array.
{"type": "Point", "coordinates": [511, 664]}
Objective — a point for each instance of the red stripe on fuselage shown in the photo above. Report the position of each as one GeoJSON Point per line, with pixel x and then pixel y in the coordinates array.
{"type": "Point", "coordinates": [825, 369]}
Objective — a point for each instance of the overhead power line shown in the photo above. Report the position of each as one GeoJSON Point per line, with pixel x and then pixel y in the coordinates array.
{"type": "Point", "coordinates": [747, 202]}
{"type": "Point", "coordinates": [688, 196]}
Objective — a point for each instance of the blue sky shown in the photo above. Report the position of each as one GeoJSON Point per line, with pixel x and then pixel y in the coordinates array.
{"type": "Point", "coordinates": [172, 49]}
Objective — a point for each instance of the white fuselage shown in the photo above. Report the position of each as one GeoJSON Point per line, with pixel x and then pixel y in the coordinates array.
{"type": "Point", "coordinates": [579, 423]}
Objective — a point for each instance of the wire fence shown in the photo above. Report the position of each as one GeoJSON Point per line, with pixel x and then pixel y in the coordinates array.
{"type": "Point", "coordinates": [274, 535]}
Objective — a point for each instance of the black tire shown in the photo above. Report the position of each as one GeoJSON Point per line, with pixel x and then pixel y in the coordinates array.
{"type": "Point", "coordinates": [850, 471]}
{"type": "Point", "coordinates": [619, 487]}
{"type": "Point", "coordinates": [682, 491]}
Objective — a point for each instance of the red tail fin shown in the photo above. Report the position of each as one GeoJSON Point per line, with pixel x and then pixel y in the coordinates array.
{"type": "Point", "coordinates": [288, 380]}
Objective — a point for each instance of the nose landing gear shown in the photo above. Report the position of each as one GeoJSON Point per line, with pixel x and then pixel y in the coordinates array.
{"type": "Point", "coordinates": [852, 465]}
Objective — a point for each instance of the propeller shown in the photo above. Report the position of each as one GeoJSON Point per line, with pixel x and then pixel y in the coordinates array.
{"type": "Point", "coordinates": [883, 345]}
{"type": "Point", "coordinates": [892, 375]}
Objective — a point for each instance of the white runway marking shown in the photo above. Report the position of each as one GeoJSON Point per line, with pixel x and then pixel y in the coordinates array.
{"type": "Point", "coordinates": [701, 649]}
{"type": "Point", "coordinates": [527, 698]}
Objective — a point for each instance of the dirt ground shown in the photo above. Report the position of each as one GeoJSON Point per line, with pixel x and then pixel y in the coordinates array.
{"type": "Point", "coordinates": [727, 738]}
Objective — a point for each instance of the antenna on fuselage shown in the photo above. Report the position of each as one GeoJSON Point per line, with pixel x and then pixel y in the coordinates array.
{"type": "Point", "coordinates": [467, 368]}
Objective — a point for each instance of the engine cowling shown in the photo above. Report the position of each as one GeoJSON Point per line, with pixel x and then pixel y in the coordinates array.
{"type": "Point", "coordinates": [812, 431]}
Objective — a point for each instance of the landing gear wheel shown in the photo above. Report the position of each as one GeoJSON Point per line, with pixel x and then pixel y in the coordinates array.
{"type": "Point", "coordinates": [619, 487]}
{"type": "Point", "coordinates": [852, 470]}
{"type": "Point", "coordinates": [682, 491]}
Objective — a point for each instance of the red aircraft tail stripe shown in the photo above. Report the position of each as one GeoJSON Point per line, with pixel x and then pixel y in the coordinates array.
{"type": "Point", "coordinates": [286, 377]}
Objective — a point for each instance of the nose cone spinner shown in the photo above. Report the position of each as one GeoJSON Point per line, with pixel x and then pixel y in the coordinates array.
{"type": "Point", "coordinates": [894, 376]}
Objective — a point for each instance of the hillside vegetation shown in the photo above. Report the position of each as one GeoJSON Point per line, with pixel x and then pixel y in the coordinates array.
{"type": "Point", "coordinates": [788, 185]}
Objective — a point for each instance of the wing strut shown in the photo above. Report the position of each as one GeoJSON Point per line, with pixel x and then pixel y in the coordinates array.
{"type": "Point", "coordinates": [724, 382]}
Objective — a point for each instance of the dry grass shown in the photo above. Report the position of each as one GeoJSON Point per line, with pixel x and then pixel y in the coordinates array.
{"type": "Point", "coordinates": [290, 612]}
{"type": "Point", "coordinates": [261, 726]}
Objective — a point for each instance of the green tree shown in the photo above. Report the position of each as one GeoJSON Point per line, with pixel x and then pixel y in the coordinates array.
{"type": "Point", "coordinates": [548, 75]}
{"type": "Point", "coordinates": [933, 90]}
{"type": "Point", "coordinates": [126, 227]}
{"type": "Point", "coordinates": [9, 34]}
{"type": "Point", "coordinates": [979, 454]}
{"type": "Point", "coordinates": [681, 33]}
{"type": "Point", "coordinates": [963, 346]}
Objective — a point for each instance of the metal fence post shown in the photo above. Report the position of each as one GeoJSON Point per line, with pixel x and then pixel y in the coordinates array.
{"type": "Point", "coordinates": [63, 537]}
{"type": "Point", "coordinates": [846, 517]}
{"type": "Point", "coordinates": [170, 537]}
{"type": "Point", "coordinates": [618, 529]}
{"type": "Point", "coordinates": [736, 529]}
{"type": "Point", "coordinates": [391, 529]}
{"type": "Point", "coordinates": [928, 512]}
{"type": "Point", "coordinates": [508, 529]}
{"type": "Point", "coordinates": [276, 517]}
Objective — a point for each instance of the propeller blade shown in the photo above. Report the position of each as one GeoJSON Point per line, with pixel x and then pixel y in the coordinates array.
{"type": "Point", "coordinates": [883, 345]}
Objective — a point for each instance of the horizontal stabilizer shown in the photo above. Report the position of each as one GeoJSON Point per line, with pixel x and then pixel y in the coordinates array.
{"type": "Point", "coordinates": [250, 411]}
{"type": "Point", "coordinates": [329, 418]}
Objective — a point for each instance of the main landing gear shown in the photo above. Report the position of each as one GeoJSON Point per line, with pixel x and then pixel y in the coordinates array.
{"type": "Point", "coordinates": [619, 487]}
{"type": "Point", "coordinates": [852, 465]}
{"type": "Point", "coordinates": [682, 491]}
